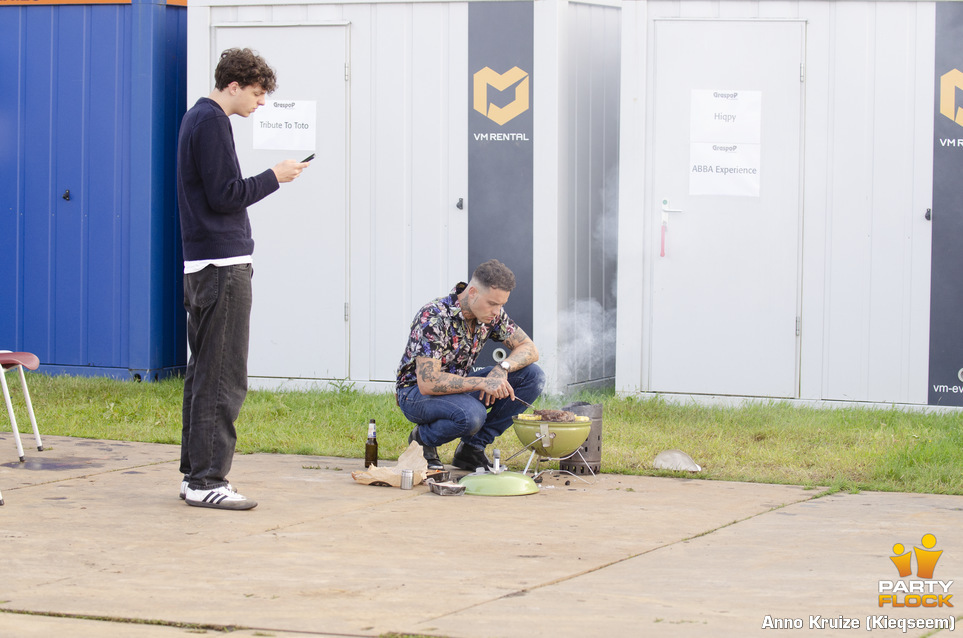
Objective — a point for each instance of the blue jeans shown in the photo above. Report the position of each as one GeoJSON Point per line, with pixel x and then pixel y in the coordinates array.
{"type": "Point", "coordinates": [218, 302]}
{"type": "Point", "coordinates": [444, 418]}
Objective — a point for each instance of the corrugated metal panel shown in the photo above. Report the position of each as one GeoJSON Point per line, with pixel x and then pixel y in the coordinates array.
{"type": "Point", "coordinates": [880, 112]}
{"type": "Point", "coordinates": [156, 318]}
{"type": "Point", "coordinates": [93, 110]}
{"type": "Point", "coordinates": [11, 217]}
{"type": "Point", "coordinates": [589, 233]}
{"type": "Point", "coordinates": [416, 62]}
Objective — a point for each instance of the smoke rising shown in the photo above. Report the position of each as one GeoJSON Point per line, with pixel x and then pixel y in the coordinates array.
{"type": "Point", "coordinates": [586, 344]}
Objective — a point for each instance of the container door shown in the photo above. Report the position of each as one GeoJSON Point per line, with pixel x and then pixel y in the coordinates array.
{"type": "Point", "coordinates": [298, 327]}
{"type": "Point", "coordinates": [64, 182]}
{"type": "Point", "coordinates": [725, 204]}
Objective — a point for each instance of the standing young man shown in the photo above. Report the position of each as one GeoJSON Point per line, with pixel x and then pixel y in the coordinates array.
{"type": "Point", "coordinates": [216, 233]}
{"type": "Point", "coordinates": [438, 387]}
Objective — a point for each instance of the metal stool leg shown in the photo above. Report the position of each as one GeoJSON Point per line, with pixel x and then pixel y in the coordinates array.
{"type": "Point", "coordinates": [33, 419]}
{"type": "Point", "coordinates": [13, 418]}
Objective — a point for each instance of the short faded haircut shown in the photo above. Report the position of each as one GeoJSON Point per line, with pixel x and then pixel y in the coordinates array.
{"type": "Point", "coordinates": [494, 274]}
{"type": "Point", "coordinates": [245, 67]}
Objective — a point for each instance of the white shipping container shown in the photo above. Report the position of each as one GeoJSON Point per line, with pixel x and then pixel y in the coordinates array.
{"type": "Point", "coordinates": [817, 286]}
{"type": "Point", "coordinates": [373, 229]}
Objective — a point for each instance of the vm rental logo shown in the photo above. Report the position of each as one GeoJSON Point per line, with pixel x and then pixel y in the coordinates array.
{"type": "Point", "coordinates": [923, 591]}
{"type": "Point", "coordinates": [501, 81]}
{"type": "Point", "coordinates": [949, 83]}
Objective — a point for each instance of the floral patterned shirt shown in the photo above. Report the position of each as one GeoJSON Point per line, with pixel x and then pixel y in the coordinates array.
{"type": "Point", "coordinates": [439, 331]}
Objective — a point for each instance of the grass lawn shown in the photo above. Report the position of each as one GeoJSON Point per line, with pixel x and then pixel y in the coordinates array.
{"type": "Point", "coordinates": [846, 449]}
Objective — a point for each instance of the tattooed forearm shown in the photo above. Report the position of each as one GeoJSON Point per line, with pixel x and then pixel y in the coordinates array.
{"type": "Point", "coordinates": [516, 339]}
{"type": "Point", "coordinates": [452, 384]}
{"type": "Point", "coordinates": [432, 380]}
{"type": "Point", "coordinates": [426, 371]}
{"type": "Point", "coordinates": [523, 350]}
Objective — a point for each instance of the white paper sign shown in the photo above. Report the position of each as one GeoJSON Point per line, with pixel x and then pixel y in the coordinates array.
{"type": "Point", "coordinates": [724, 169]}
{"type": "Point", "coordinates": [726, 116]}
{"type": "Point", "coordinates": [286, 125]}
{"type": "Point", "coordinates": [725, 131]}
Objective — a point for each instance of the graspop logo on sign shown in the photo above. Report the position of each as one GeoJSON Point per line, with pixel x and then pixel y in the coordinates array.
{"type": "Point", "coordinates": [922, 591]}
{"type": "Point", "coordinates": [500, 82]}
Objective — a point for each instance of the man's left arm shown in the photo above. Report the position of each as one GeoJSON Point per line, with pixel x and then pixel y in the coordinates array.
{"type": "Point", "coordinates": [523, 353]}
{"type": "Point", "coordinates": [522, 350]}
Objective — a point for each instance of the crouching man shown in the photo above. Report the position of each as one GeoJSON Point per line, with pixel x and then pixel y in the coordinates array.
{"type": "Point", "coordinates": [437, 388]}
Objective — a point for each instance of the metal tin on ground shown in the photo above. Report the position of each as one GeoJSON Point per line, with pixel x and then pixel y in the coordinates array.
{"type": "Point", "coordinates": [407, 477]}
{"type": "Point", "coordinates": [591, 460]}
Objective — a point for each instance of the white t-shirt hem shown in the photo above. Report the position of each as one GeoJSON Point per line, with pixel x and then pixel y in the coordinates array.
{"type": "Point", "coordinates": [200, 264]}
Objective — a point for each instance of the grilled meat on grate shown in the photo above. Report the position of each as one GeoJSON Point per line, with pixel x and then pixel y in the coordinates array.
{"type": "Point", "coordinates": [558, 416]}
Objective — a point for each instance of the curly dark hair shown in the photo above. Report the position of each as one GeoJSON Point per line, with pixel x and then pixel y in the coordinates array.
{"type": "Point", "coordinates": [245, 67]}
{"type": "Point", "coordinates": [494, 274]}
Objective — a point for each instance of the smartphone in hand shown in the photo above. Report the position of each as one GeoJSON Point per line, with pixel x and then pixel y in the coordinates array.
{"type": "Point", "coordinates": [308, 158]}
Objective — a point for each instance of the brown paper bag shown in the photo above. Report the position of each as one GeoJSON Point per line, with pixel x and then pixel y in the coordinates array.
{"type": "Point", "coordinates": [411, 459]}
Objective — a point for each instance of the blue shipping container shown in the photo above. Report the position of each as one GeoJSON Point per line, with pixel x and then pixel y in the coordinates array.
{"type": "Point", "coordinates": [90, 257]}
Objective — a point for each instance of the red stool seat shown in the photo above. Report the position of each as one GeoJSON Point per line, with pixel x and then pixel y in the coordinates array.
{"type": "Point", "coordinates": [28, 360]}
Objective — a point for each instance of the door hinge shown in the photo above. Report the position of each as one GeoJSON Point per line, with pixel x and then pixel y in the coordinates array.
{"type": "Point", "coordinates": [798, 326]}
{"type": "Point", "coordinates": [347, 311]}
{"type": "Point", "coordinates": [802, 71]}
{"type": "Point", "coordinates": [347, 72]}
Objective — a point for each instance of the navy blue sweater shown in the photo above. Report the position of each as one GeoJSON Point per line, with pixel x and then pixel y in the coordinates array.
{"type": "Point", "coordinates": [211, 193]}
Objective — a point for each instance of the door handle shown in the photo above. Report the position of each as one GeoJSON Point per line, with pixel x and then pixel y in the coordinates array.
{"type": "Point", "coordinates": [665, 224]}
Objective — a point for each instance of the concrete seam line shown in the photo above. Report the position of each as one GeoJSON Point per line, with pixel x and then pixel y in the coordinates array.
{"type": "Point", "coordinates": [171, 623]}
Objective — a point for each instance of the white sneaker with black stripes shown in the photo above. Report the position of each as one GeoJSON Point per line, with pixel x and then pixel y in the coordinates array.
{"type": "Point", "coordinates": [183, 490]}
{"type": "Point", "coordinates": [222, 498]}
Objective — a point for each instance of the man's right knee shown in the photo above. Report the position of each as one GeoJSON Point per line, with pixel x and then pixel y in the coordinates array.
{"type": "Point", "coordinates": [475, 420]}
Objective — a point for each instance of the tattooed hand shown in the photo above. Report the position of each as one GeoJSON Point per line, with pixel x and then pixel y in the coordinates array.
{"type": "Point", "coordinates": [433, 381]}
{"type": "Point", "coordinates": [496, 387]}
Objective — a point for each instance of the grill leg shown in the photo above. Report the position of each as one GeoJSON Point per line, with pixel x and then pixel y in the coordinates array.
{"type": "Point", "coordinates": [527, 465]}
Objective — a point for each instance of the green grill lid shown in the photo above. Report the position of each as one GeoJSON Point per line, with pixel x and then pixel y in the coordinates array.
{"type": "Point", "coordinates": [500, 484]}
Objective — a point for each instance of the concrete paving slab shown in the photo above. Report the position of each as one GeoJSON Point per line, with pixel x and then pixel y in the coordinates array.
{"type": "Point", "coordinates": [94, 529]}
{"type": "Point", "coordinates": [75, 458]}
{"type": "Point", "coordinates": [814, 562]}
